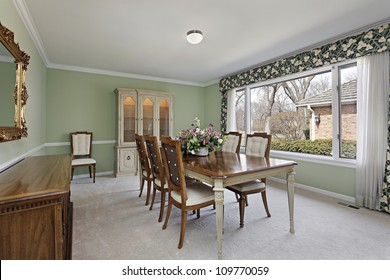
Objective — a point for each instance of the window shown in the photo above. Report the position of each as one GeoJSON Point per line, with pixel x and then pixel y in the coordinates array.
{"type": "Point", "coordinates": [311, 114]}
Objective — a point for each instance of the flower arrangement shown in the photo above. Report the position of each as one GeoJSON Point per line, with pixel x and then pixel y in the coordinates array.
{"type": "Point", "coordinates": [192, 139]}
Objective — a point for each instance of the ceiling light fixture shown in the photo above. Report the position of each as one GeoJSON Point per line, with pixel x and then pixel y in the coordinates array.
{"type": "Point", "coordinates": [194, 36]}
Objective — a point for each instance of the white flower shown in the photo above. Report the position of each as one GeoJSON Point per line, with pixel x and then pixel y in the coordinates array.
{"type": "Point", "coordinates": [369, 35]}
{"type": "Point", "coordinates": [361, 45]}
{"type": "Point", "coordinates": [351, 41]}
{"type": "Point", "coordinates": [369, 47]}
{"type": "Point", "coordinates": [319, 62]}
{"type": "Point", "coordinates": [220, 140]}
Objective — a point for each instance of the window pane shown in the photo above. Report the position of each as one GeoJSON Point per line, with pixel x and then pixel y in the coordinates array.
{"type": "Point", "coordinates": [348, 98]}
{"type": "Point", "coordinates": [298, 114]}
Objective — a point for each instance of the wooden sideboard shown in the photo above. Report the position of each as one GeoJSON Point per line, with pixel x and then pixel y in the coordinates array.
{"type": "Point", "coordinates": [35, 209]}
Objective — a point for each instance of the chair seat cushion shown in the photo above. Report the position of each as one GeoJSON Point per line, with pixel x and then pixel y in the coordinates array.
{"type": "Point", "coordinates": [197, 193]}
{"type": "Point", "coordinates": [157, 181]}
{"type": "Point", "coordinates": [83, 161]}
{"type": "Point", "coordinates": [249, 186]}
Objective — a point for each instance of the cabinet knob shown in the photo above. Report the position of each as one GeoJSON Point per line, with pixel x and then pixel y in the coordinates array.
{"type": "Point", "coordinates": [128, 157]}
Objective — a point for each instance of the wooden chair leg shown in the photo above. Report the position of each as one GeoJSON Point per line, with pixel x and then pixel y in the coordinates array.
{"type": "Point", "coordinates": [168, 214]}
{"type": "Point", "coordinates": [142, 186]}
{"type": "Point", "coordinates": [71, 178]}
{"type": "Point", "coordinates": [264, 197]}
{"type": "Point", "coordinates": [182, 228]}
{"type": "Point", "coordinates": [148, 192]}
{"type": "Point", "coordinates": [162, 206]}
{"type": "Point", "coordinates": [198, 213]}
{"type": "Point", "coordinates": [242, 209]}
{"type": "Point", "coordinates": [90, 171]}
{"type": "Point", "coordinates": [94, 173]}
{"type": "Point", "coordinates": [246, 200]}
{"type": "Point", "coordinates": [153, 197]}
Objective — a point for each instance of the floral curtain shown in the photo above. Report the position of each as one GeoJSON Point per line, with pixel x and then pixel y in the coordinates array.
{"type": "Point", "coordinates": [375, 40]}
{"type": "Point", "coordinates": [385, 198]}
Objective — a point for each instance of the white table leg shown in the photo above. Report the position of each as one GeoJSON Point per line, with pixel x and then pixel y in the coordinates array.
{"type": "Point", "coordinates": [219, 197]}
{"type": "Point", "coordinates": [290, 195]}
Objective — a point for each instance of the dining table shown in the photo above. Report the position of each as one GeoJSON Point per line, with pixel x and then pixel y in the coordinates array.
{"type": "Point", "coordinates": [221, 169]}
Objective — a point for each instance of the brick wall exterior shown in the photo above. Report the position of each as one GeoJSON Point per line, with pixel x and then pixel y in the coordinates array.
{"type": "Point", "coordinates": [348, 121]}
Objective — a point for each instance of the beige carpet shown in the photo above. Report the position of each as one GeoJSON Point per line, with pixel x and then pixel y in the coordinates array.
{"type": "Point", "coordinates": [112, 222]}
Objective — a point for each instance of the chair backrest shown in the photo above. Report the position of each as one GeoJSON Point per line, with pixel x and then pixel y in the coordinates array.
{"type": "Point", "coordinates": [155, 158]}
{"type": "Point", "coordinates": [173, 166]}
{"type": "Point", "coordinates": [81, 143]}
{"type": "Point", "coordinates": [258, 144]}
{"type": "Point", "coordinates": [233, 142]}
{"type": "Point", "coordinates": [143, 158]}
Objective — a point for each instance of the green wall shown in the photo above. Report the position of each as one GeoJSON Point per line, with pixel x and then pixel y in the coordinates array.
{"type": "Point", "coordinates": [213, 106]}
{"type": "Point", "coordinates": [35, 112]}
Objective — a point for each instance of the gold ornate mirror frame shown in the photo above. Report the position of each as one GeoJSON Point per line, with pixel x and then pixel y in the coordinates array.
{"type": "Point", "coordinates": [21, 59]}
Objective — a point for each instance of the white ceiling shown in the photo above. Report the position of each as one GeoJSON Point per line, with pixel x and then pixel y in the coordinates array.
{"type": "Point", "coordinates": [146, 38]}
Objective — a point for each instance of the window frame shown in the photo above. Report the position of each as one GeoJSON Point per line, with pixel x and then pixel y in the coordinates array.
{"type": "Point", "coordinates": [334, 69]}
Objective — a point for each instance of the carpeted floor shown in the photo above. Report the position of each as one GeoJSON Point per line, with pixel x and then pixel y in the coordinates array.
{"type": "Point", "coordinates": [112, 223]}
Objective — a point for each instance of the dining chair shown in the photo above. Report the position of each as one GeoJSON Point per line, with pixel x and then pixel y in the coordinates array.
{"type": "Point", "coordinates": [145, 173]}
{"type": "Point", "coordinates": [159, 183]}
{"type": "Point", "coordinates": [233, 142]}
{"type": "Point", "coordinates": [257, 144]}
{"type": "Point", "coordinates": [81, 152]}
{"type": "Point", "coordinates": [186, 197]}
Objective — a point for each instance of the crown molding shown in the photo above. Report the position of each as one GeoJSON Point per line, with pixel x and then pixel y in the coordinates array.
{"type": "Point", "coordinates": [120, 74]}
{"type": "Point", "coordinates": [24, 14]}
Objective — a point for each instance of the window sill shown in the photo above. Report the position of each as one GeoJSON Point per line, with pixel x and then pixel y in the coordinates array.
{"type": "Point", "coordinates": [349, 163]}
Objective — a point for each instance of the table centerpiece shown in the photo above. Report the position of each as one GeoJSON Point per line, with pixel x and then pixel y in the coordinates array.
{"type": "Point", "coordinates": [200, 142]}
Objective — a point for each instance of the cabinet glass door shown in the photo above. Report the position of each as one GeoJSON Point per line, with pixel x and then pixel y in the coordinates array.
{"type": "Point", "coordinates": [129, 119]}
{"type": "Point", "coordinates": [147, 117]}
{"type": "Point", "coordinates": [164, 118]}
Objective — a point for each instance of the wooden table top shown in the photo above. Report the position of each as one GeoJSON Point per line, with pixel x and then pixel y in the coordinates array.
{"type": "Point", "coordinates": [220, 164]}
{"type": "Point", "coordinates": [36, 176]}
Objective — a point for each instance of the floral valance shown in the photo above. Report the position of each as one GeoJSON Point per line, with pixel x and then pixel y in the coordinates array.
{"type": "Point", "coordinates": [372, 41]}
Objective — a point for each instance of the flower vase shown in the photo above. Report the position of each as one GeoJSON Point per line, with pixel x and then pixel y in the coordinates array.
{"type": "Point", "coordinates": [202, 152]}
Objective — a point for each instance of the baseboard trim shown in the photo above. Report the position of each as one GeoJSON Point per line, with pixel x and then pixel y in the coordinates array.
{"type": "Point", "coordinates": [338, 196]}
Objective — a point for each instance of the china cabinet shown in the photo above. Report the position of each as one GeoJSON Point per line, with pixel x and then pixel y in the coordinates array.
{"type": "Point", "coordinates": [143, 112]}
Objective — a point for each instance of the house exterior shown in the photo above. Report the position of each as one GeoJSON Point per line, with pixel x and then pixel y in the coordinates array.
{"type": "Point", "coordinates": [320, 106]}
